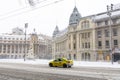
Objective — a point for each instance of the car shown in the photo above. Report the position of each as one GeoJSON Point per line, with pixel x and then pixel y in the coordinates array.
{"type": "Point", "coordinates": [61, 62]}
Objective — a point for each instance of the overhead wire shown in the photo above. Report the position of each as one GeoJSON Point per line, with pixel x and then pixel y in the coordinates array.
{"type": "Point", "coordinates": [42, 1]}
{"type": "Point", "coordinates": [26, 11]}
{"type": "Point", "coordinates": [10, 12]}
{"type": "Point", "coordinates": [13, 11]}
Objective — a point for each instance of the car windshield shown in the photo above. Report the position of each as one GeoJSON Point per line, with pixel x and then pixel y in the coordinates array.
{"type": "Point", "coordinates": [64, 59]}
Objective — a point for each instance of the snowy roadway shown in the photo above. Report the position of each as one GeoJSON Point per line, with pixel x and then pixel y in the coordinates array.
{"type": "Point", "coordinates": [40, 72]}
{"type": "Point", "coordinates": [102, 73]}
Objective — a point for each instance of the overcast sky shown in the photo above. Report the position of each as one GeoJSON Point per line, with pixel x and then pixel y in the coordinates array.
{"type": "Point", "coordinates": [15, 13]}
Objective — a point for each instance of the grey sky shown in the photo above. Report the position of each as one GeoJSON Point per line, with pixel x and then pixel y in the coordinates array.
{"type": "Point", "coordinates": [14, 13]}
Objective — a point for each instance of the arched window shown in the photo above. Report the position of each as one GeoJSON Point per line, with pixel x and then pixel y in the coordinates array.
{"type": "Point", "coordinates": [59, 55]}
{"type": "Point", "coordinates": [69, 56]}
{"type": "Point", "coordinates": [88, 56]}
{"type": "Point", "coordinates": [85, 24]}
{"type": "Point", "coordinates": [75, 56]}
{"type": "Point", "coordinates": [85, 56]}
{"type": "Point", "coordinates": [82, 56]}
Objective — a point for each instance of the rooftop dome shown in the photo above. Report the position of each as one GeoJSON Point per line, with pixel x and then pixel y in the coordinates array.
{"type": "Point", "coordinates": [75, 17]}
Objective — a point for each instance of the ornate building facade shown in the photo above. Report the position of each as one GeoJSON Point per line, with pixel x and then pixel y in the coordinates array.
{"type": "Point", "coordinates": [14, 45]}
{"type": "Point", "coordinates": [87, 38]}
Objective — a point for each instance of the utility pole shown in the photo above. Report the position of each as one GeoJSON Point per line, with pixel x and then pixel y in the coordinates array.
{"type": "Point", "coordinates": [26, 26]}
{"type": "Point", "coordinates": [109, 12]}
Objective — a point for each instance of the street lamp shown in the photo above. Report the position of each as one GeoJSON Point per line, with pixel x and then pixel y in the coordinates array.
{"type": "Point", "coordinates": [109, 10]}
{"type": "Point", "coordinates": [26, 25]}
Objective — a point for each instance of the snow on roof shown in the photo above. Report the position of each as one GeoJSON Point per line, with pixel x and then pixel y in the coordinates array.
{"type": "Point", "coordinates": [104, 15]}
{"type": "Point", "coordinates": [7, 36]}
{"type": "Point", "coordinates": [62, 32]}
{"type": "Point", "coordinates": [12, 36]}
{"type": "Point", "coordinates": [41, 38]}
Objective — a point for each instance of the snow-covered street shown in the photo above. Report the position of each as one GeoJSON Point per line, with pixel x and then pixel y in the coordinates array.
{"type": "Point", "coordinates": [76, 63]}
{"type": "Point", "coordinates": [103, 70]}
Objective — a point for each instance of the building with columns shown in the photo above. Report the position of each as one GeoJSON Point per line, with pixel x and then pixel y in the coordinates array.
{"type": "Point", "coordinates": [87, 38]}
{"type": "Point", "coordinates": [14, 46]}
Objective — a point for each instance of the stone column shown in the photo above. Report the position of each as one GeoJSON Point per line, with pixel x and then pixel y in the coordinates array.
{"type": "Point", "coordinates": [2, 48]}
{"type": "Point", "coordinates": [77, 45]}
{"type": "Point", "coordinates": [71, 42]}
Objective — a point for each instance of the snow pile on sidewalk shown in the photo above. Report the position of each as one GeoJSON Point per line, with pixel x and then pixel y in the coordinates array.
{"type": "Point", "coordinates": [96, 64]}
{"type": "Point", "coordinates": [37, 61]}
{"type": "Point", "coordinates": [76, 63]}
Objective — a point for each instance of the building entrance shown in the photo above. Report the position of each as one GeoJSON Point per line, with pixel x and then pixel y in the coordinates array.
{"type": "Point", "coordinates": [116, 57]}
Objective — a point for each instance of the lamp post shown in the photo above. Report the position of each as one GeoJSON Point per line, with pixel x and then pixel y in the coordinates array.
{"type": "Point", "coordinates": [109, 10]}
{"type": "Point", "coordinates": [26, 25]}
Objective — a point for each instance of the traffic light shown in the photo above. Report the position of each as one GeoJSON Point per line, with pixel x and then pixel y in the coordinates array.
{"type": "Point", "coordinates": [111, 6]}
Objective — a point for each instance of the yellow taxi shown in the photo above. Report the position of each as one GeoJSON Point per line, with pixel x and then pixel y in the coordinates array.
{"type": "Point", "coordinates": [61, 62]}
